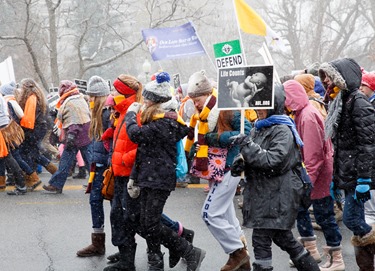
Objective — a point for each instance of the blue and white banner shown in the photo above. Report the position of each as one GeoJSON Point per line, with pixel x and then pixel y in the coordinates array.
{"type": "Point", "coordinates": [173, 42]}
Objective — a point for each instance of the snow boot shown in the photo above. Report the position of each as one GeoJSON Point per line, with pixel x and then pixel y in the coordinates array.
{"type": "Point", "coordinates": [194, 257]}
{"type": "Point", "coordinates": [2, 183]}
{"type": "Point", "coordinates": [239, 259]}
{"type": "Point", "coordinates": [114, 258]}
{"type": "Point", "coordinates": [32, 181]}
{"type": "Point", "coordinates": [305, 261]}
{"type": "Point", "coordinates": [188, 235]}
{"type": "Point", "coordinates": [310, 244]}
{"type": "Point", "coordinates": [155, 261]}
{"type": "Point", "coordinates": [81, 173]}
{"type": "Point", "coordinates": [51, 168]}
{"type": "Point", "coordinates": [126, 259]}
{"type": "Point", "coordinates": [365, 240]}
{"type": "Point", "coordinates": [364, 256]}
{"type": "Point", "coordinates": [334, 261]}
{"type": "Point", "coordinates": [96, 248]}
{"type": "Point", "coordinates": [258, 267]}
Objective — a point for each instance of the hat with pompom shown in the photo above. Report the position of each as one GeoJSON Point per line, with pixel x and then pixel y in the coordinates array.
{"type": "Point", "coordinates": [97, 87]}
{"type": "Point", "coordinates": [368, 79]}
{"type": "Point", "coordinates": [8, 89]}
{"type": "Point", "coordinates": [158, 91]}
{"type": "Point", "coordinates": [199, 85]}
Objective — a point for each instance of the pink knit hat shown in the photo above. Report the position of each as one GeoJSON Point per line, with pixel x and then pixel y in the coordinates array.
{"type": "Point", "coordinates": [109, 101]}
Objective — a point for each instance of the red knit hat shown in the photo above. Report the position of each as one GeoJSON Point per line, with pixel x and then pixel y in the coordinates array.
{"type": "Point", "coordinates": [368, 79]}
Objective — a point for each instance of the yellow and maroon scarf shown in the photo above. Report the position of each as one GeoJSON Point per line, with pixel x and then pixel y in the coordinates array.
{"type": "Point", "coordinates": [202, 154]}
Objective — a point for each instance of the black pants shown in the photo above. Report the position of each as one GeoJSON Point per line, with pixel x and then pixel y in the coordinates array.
{"type": "Point", "coordinates": [15, 169]}
{"type": "Point", "coordinates": [126, 220]}
{"type": "Point", "coordinates": [262, 240]}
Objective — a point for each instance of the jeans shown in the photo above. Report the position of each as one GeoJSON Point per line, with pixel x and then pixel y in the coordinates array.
{"type": "Point", "coordinates": [174, 225]}
{"type": "Point", "coordinates": [262, 244]}
{"type": "Point", "coordinates": [325, 217]}
{"type": "Point", "coordinates": [96, 199]}
{"type": "Point", "coordinates": [152, 205]}
{"type": "Point", "coordinates": [66, 162]}
{"type": "Point", "coordinates": [354, 215]}
{"type": "Point", "coordinates": [22, 163]}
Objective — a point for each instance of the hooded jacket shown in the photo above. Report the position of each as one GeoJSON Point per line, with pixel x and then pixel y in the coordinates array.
{"type": "Point", "coordinates": [317, 153]}
{"type": "Point", "coordinates": [272, 188]}
{"type": "Point", "coordinates": [354, 140]}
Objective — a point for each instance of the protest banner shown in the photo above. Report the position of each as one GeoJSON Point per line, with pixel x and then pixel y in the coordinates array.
{"type": "Point", "coordinates": [228, 54]}
{"type": "Point", "coordinates": [248, 87]}
{"type": "Point", "coordinates": [173, 42]}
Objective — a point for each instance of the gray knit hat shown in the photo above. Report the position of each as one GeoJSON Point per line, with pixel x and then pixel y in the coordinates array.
{"type": "Point", "coordinates": [159, 90]}
{"type": "Point", "coordinates": [199, 85]}
{"type": "Point", "coordinates": [8, 89]}
{"type": "Point", "coordinates": [97, 86]}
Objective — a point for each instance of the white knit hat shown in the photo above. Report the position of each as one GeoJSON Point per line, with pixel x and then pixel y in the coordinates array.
{"type": "Point", "coordinates": [199, 85]}
{"type": "Point", "coordinates": [158, 91]}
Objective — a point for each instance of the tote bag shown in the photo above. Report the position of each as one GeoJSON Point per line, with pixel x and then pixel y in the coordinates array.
{"type": "Point", "coordinates": [216, 165]}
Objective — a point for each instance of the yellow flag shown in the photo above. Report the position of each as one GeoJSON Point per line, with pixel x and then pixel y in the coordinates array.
{"type": "Point", "coordinates": [250, 22]}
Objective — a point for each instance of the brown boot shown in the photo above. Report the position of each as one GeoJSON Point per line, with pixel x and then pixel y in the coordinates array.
{"type": "Point", "coordinates": [2, 183]}
{"type": "Point", "coordinates": [97, 247]}
{"type": "Point", "coordinates": [32, 181]}
{"type": "Point", "coordinates": [238, 259]}
{"type": "Point", "coordinates": [51, 168]}
{"type": "Point", "coordinates": [365, 257]}
{"type": "Point", "coordinates": [365, 240]}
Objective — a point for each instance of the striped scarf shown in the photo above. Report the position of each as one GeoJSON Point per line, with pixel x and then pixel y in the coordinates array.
{"type": "Point", "coordinates": [169, 115]}
{"type": "Point", "coordinates": [202, 154]}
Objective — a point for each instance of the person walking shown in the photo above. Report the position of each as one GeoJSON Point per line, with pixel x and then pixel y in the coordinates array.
{"type": "Point", "coordinates": [218, 210]}
{"type": "Point", "coordinates": [156, 138]}
{"type": "Point", "coordinates": [74, 117]}
{"type": "Point", "coordinates": [317, 155]}
{"type": "Point", "coordinates": [351, 126]}
{"type": "Point", "coordinates": [272, 194]}
{"type": "Point", "coordinates": [97, 90]}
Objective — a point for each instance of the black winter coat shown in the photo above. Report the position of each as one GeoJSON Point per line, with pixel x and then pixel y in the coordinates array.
{"type": "Point", "coordinates": [273, 190]}
{"type": "Point", "coordinates": [354, 143]}
{"type": "Point", "coordinates": [156, 159]}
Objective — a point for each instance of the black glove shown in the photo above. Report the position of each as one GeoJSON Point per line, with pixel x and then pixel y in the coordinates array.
{"type": "Point", "coordinates": [238, 165]}
{"type": "Point", "coordinates": [212, 139]}
{"type": "Point", "coordinates": [240, 139]}
{"type": "Point", "coordinates": [70, 142]}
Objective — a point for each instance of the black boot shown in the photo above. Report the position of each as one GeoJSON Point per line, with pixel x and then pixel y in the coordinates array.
{"type": "Point", "coordinates": [155, 261]}
{"type": "Point", "coordinates": [114, 258]}
{"type": "Point", "coordinates": [305, 261]}
{"type": "Point", "coordinates": [18, 191]}
{"type": "Point", "coordinates": [258, 267]}
{"type": "Point", "coordinates": [194, 257]}
{"type": "Point", "coordinates": [188, 235]}
{"type": "Point", "coordinates": [81, 173]}
{"type": "Point", "coordinates": [126, 260]}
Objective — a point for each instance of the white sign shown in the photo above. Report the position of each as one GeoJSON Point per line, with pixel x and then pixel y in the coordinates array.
{"type": "Point", "coordinates": [7, 71]}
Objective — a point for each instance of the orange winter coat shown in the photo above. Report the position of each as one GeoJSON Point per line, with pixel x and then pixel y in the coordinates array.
{"type": "Point", "coordinates": [124, 150]}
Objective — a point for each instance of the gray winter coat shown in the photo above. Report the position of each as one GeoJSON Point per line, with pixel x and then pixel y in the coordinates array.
{"type": "Point", "coordinates": [272, 189]}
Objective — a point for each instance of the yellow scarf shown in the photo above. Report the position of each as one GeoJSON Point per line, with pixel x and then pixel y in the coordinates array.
{"type": "Point", "coordinates": [170, 115]}
{"type": "Point", "coordinates": [202, 154]}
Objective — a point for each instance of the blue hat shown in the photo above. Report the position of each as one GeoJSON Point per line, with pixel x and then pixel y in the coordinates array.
{"type": "Point", "coordinates": [8, 89]}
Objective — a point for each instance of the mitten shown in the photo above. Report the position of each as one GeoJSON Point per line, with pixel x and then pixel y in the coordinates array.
{"type": "Point", "coordinates": [212, 139]}
{"type": "Point", "coordinates": [70, 141]}
{"type": "Point", "coordinates": [238, 165]}
{"type": "Point", "coordinates": [335, 192]}
{"type": "Point", "coordinates": [134, 107]}
{"type": "Point", "coordinates": [133, 190]}
{"type": "Point", "coordinates": [240, 139]}
{"type": "Point", "coordinates": [362, 190]}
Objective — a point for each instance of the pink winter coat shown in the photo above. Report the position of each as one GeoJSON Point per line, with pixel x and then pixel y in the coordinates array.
{"type": "Point", "coordinates": [317, 152]}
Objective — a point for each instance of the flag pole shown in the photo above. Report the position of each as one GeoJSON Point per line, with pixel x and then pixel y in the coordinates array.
{"type": "Point", "coordinates": [268, 55]}
{"type": "Point", "coordinates": [239, 31]}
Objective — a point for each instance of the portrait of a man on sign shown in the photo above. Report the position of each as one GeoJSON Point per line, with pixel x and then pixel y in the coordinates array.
{"type": "Point", "coordinates": [248, 87]}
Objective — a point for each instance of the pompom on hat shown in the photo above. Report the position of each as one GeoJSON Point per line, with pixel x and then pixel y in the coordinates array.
{"type": "Point", "coordinates": [368, 79]}
{"type": "Point", "coordinates": [199, 85]}
{"type": "Point", "coordinates": [97, 87]}
{"type": "Point", "coordinates": [158, 91]}
{"type": "Point", "coordinates": [8, 89]}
